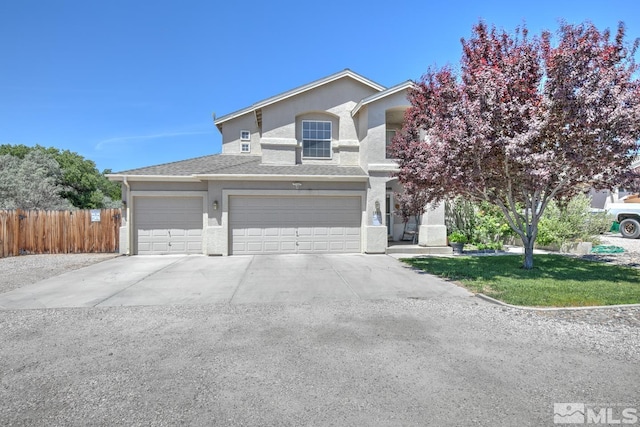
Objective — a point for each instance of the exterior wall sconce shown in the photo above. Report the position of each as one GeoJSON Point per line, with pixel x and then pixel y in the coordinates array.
{"type": "Point", "coordinates": [297, 185]}
{"type": "Point", "coordinates": [215, 205]}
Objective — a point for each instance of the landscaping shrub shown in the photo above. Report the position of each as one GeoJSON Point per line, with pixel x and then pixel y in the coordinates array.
{"type": "Point", "coordinates": [485, 226]}
{"type": "Point", "coordinates": [460, 215]}
{"type": "Point", "coordinates": [572, 222]}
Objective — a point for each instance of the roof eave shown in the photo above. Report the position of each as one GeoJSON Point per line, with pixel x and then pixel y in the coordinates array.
{"type": "Point", "coordinates": [237, 177]}
{"type": "Point", "coordinates": [392, 90]}
{"type": "Point", "coordinates": [296, 91]}
{"type": "Point", "coordinates": [274, 177]}
{"type": "Point", "coordinates": [174, 178]}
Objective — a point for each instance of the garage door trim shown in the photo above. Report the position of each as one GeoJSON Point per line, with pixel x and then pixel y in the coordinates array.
{"type": "Point", "coordinates": [227, 193]}
{"type": "Point", "coordinates": [133, 238]}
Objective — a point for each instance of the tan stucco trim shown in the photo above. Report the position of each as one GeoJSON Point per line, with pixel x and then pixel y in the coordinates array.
{"type": "Point", "coordinates": [173, 178]}
{"type": "Point", "coordinates": [342, 143]}
{"type": "Point", "coordinates": [383, 167]}
{"type": "Point", "coordinates": [342, 178]}
{"type": "Point", "coordinates": [278, 142]}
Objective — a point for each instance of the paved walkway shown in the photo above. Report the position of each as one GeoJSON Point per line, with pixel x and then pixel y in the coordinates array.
{"type": "Point", "coordinates": [162, 280]}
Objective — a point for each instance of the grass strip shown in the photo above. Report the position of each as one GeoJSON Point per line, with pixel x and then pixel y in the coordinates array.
{"type": "Point", "coordinates": [555, 280]}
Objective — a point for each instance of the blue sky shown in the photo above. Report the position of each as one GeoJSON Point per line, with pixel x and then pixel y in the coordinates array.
{"type": "Point", "coordinates": [134, 83]}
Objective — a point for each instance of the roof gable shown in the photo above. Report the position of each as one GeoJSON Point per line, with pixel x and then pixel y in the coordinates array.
{"type": "Point", "coordinates": [377, 96]}
{"type": "Point", "coordinates": [296, 91]}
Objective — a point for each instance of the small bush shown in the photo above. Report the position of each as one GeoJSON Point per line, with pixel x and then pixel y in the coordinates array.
{"type": "Point", "coordinates": [485, 226]}
{"type": "Point", "coordinates": [571, 222]}
{"type": "Point", "coordinates": [491, 227]}
{"type": "Point", "coordinates": [457, 237]}
{"type": "Point", "coordinates": [460, 215]}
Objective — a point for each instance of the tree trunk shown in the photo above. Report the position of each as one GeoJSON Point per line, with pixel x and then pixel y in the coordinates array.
{"type": "Point", "coordinates": [528, 253]}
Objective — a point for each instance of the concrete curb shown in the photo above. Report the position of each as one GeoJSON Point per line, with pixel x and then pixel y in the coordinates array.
{"type": "Point", "coordinates": [519, 307]}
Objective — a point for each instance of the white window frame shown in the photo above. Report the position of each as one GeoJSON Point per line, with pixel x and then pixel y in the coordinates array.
{"type": "Point", "coordinates": [245, 138]}
{"type": "Point", "coordinates": [245, 147]}
{"type": "Point", "coordinates": [329, 140]}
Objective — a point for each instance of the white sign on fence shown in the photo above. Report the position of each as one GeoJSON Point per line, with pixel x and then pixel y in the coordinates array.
{"type": "Point", "coordinates": [95, 215]}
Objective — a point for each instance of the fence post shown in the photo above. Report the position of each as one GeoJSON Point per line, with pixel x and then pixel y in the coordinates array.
{"type": "Point", "coordinates": [4, 246]}
{"type": "Point", "coordinates": [16, 233]}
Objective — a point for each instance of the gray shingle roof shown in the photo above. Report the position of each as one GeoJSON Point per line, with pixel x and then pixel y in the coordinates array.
{"type": "Point", "coordinates": [229, 164]}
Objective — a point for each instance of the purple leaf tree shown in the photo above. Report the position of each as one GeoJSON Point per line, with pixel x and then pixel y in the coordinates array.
{"type": "Point", "coordinates": [525, 121]}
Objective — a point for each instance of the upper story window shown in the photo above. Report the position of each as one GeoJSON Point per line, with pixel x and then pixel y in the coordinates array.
{"type": "Point", "coordinates": [316, 139]}
{"type": "Point", "coordinates": [245, 144]}
{"type": "Point", "coordinates": [391, 133]}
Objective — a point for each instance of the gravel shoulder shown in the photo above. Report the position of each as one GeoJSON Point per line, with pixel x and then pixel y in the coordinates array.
{"type": "Point", "coordinates": [630, 257]}
{"type": "Point", "coordinates": [389, 362]}
{"type": "Point", "coordinates": [616, 239]}
{"type": "Point", "coordinates": [19, 271]}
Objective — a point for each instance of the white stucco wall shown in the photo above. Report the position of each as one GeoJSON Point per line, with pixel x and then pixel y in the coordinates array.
{"type": "Point", "coordinates": [337, 98]}
{"type": "Point", "coordinates": [231, 143]}
{"type": "Point", "coordinates": [282, 122]}
{"type": "Point", "coordinates": [374, 142]}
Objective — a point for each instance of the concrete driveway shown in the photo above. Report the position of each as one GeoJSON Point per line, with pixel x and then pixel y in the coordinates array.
{"type": "Point", "coordinates": [362, 353]}
{"type": "Point", "coordinates": [162, 280]}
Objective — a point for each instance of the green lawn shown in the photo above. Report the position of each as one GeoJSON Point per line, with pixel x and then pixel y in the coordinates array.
{"type": "Point", "coordinates": [555, 281]}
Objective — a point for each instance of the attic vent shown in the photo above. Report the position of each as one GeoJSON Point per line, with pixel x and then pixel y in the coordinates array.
{"type": "Point", "coordinates": [258, 114]}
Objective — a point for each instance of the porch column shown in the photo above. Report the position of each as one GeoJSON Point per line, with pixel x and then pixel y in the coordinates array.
{"type": "Point", "coordinates": [433, 232]}
{"type": "Point", "coordinates": [375, 239]}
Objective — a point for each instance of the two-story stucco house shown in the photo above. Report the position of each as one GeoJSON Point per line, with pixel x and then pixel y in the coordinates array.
{"type": "Point", "coordinates": [306, 171]}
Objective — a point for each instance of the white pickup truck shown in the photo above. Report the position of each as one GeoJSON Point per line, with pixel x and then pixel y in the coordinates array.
{"type": "Point", "coordinates": [628, 215]}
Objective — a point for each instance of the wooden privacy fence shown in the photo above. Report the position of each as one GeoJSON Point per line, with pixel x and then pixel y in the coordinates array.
{"type": "Point", "coordinates": [58, 232]}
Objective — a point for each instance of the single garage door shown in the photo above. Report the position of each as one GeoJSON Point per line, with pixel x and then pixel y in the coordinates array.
{"type": "Point", "coordinates": [264, 225]}
{"type": "Point", "coordinates": [168, 225]}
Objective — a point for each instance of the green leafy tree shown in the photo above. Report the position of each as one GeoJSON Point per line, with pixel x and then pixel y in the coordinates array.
{"type": "Point", "coordinates": [80, 181]}
{"type": "Point", "coordinates": [110, 189]}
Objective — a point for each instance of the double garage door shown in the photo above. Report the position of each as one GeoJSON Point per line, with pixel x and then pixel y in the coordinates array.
{"type": "Point", "coordinates": [271, 225]}
{"type": "Point", "coordinates": [168, 225]}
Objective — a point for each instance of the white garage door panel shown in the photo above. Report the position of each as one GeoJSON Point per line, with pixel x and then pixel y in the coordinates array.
{"type": "Point", "coordinates": [294, 224]}
{"type": "Point", "coordinates": [167, 225]}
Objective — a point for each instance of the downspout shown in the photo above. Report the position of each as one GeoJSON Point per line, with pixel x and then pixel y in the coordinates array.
{"type": "Point", "coordinates": [129, 231]}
